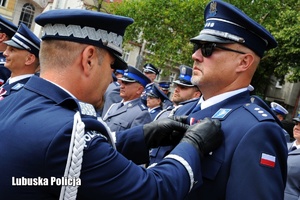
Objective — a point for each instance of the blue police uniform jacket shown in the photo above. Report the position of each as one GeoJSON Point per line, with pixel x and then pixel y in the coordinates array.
{"type": "Point", "coordinates": [4, 72]}
{"type": "Point", "coordinates": [144, 94]}
{"type": "Point", "coordinates": [132, 114]}
{"type": "Point", "coordinates": [153, 112]}
{"type": "Point", "coordinates": [251, 162]}
{"type": "Point", "coordinates": [292, 189]}
{"type": "Point", "coordinates": [167, 104]}
{"type": "Point", "coordinates": [112, 95]}
{"type": "Point", "coordinates": [2, 59]}
{"type": "Point", "coordinates": [36, 126]}
{"type": "Point", "coordinates": [13, 87]}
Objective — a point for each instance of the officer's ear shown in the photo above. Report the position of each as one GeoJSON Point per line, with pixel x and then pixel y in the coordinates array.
{"type": "Point", "coordinates": [89, 56]}
{"type": "Point", "coordinates": [30, 58]}
{"type": "Point", "coordinates": [245, 61]}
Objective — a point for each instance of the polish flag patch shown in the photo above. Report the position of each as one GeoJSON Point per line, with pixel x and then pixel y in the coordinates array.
{"type": "Point", "coordinates": [267, 160]}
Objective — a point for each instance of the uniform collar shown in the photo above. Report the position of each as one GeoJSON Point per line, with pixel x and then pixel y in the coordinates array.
{"type": "Point", "coordinates": [221, 97]}
{"type": "Point", "coordinates": [18, 78]}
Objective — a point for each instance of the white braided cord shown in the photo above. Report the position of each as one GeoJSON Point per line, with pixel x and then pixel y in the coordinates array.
{"type": "Point", "coordinates": [75, 156]}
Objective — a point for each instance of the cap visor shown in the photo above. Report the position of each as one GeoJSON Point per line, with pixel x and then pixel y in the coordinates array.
{"type": "Point", "coordinates": [296, 119]}
{"type": "Point", "coordinates": [119, 63]}
{"type": "Point", "coordinates": [151, 95]}
{"type": "Point", "coordinates": [210, 38]}
{"type": "Point", "coordinates": [13, 44]}
{"type": "Point", "coordinates": [183, 84]}
{"type": "Point", "coordinates": [127, 80]}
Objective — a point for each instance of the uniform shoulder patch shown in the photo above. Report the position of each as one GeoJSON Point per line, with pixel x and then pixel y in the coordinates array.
{"type": "Point", "coordinates": [87, 109]}
{"type": "Point", "coordinates": [142, 106]}
{"type": "Point", "coordinates": [258, 112]}
{"type": "Point", "coordinates": [17, 86]}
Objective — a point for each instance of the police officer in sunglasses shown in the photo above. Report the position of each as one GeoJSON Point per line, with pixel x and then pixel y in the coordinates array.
{"type": "Point", "coordinates": [251, 163]}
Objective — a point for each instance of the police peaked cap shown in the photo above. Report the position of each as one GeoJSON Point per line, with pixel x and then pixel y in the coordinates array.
{"type": "Point", "coordinates": [297, 119]}
{"type": "Point", "coordinates": [87, 27]}
{"type": "Point", "coordinates": [185, 76]}
{"type": "Point", "coordinates": [25, 39]}
{"type": "Point", "coordinates": [224, 23]}
{"type": "Point", "coordinates": [7, 27]}
{"type": "Point", "coordinates": [157, 93]}
{"type": "Point", "coordinates": [277, 108]}
{"type": "Point", "coordinates": [148, 67]}
{"type": "Point", "coordinates": [165, 85]}
{"type": "Point", "coordinates": [132, 75]}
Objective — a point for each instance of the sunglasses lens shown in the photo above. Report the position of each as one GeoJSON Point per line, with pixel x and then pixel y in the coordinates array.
{"type": "Point", "coordinates": [206, 48]}
{"type": "Point", "coordinates": [196, 47]}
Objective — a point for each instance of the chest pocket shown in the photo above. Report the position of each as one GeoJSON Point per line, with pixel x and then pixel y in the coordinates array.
{"type": "Point", "coordinates": [121, 124]}
{"type": "Point", "coordinates": [211, 164]}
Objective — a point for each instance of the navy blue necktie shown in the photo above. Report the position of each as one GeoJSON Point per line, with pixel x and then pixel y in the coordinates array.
{"type": "Point", "coordinates": [292, 148]}
{"type": "Point", "coordinates": [120, 105]}
{"type": "Point", "coordinates": [197, 108]}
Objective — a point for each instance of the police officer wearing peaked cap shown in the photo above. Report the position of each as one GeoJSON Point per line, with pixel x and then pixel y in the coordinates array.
{"type": "Point", "coordinates": [226, 54]}
{"type": "Point", "coordinates": [155, 99]}
{"type": "Point", "coordinates": [9, 29]}
{"type": "Point", "coordinates": [151, 72]}
{"type": "Point", "coordinates": [21, 64]}
{"type": "Point", "coordinates": [185, 76]}
{"type": "Point", "coordinates": [130, 112]}
{"type": "Point", "coordinates": [64, 136]}
{"type": "Point", "coordinates": [279, 110]}
{"type": "Point", "coordinates": [150, 68]}
{"type": "Point", "coordinates": [165, 87]}
{"type": "Point", "coordinates": [132, 74]}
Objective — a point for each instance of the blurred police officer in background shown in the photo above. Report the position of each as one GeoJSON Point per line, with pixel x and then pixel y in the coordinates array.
{"type": "Point", "coordinates": [151, 72]}
{"type": "Point", "coordinates": [281, 113]}
{"type": "Point", "coordinates": [22, 59]}
{"type": "Point", "coordinates": [7, 30]}
{"type": "Point", "coordinates": [292, 189]}
{"type": "Point", "coordinates": [251, 163]}
{"type": "Point", "coordinates": [165, 87]}
{"type": "Point", "coordinates": [155, 99]}
{"type": "Point", "coordinates": [185, 92]}
{"type": "Point", "coordinates": [112, 93]}
{"type": "Point", "coordinates": [130, 111]}
{"type": "Point", "coordinates": [50, 129]}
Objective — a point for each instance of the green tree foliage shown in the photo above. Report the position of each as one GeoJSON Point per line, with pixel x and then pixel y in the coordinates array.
{"type": "Point", "coordinates": [168, 25]}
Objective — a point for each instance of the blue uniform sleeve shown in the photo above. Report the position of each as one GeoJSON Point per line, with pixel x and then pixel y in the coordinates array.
{"type": "Point", "coordinates": [107, 174]}
{"type": "Point", "coordinates": [258, 167]}
{"type": "Point", "coordinates": [131, 144]}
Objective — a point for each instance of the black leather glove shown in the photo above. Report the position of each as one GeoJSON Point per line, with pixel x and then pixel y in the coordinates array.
{"type": "Point", "coordinates": [163, 132]}
{"type": "Point", "coordinates": [205, 136]}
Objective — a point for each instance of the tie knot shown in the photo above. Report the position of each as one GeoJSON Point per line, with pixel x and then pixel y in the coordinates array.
{"type": "Point", "coordinates": [197, 108]}
{"type": "Point", "coordinates": [293, 148]}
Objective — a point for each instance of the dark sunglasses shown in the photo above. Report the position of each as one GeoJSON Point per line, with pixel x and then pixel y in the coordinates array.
{"type": "Point", "coordinates": [208, 48]}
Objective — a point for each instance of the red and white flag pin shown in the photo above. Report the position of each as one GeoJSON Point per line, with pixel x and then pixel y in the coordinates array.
{"type": "Point", "coordinates": [267, 160]}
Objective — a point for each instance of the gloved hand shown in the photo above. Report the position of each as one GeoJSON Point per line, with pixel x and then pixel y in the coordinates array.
{"type": "Point", "coordinates": [163, 132]}
{"type": "Point", "coordinates": [205, 136]}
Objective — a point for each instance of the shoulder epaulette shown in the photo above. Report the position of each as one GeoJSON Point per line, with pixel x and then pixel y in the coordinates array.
{"type": "Point", "coordinates": [142, 106]}
{"type": "Point", "coordinates": [258, 112]}
{"type": "Point", "coordinates": [87, 109]}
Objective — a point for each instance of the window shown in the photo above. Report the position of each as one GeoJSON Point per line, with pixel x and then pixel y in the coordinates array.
{"type": "Point", "coordinates": [126, 56]}
{"type": "Point", "coordinates": [278, 85]}
{"type": "Point", "coordinates": [172, 77]}
{"type": "Point", "coordinates": [27, 15]}
{"type": "Point", "coordinates": [3, 3]}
